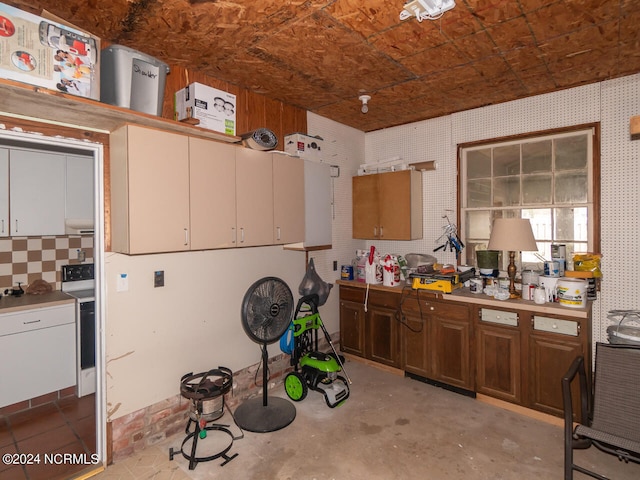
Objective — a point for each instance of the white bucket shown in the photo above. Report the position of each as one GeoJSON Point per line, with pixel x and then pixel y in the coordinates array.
{"type": "Point", "coordinates": [572, 292]}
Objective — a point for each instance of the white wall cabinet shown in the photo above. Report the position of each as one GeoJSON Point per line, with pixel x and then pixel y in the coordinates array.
{"type": "Point", "coordinates": [36, 193]}
{"type": "Point", "coordinates": [212, 171]}
{"type": "Point", "coordinates": [149, 191]}
{"type": "Point", "coordinates": [254, 197]}
{"type": "Point", "coordinates": [288, 199]}
{"type": "Point", "coordinates": [79, 204]}
{"type": "Point", "coordinates": [170, 192]}
{"type": "Point", "coordinates": [4, 192]}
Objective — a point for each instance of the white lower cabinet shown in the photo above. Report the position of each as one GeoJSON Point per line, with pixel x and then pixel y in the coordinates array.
{"type": "Point", "coordinates": [37, 352]}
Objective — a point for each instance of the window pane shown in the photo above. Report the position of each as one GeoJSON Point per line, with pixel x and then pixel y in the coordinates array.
{"type": "Point", "coordinates": [541, 221]}
{"type": "Point", "coordinates": [506, 160]}
{"type": "Point", "coordinates": [479, 163]}
{"type": "Point", "coordinates": [478, 225]}
{"type": "Point", "coordinates": [479, 193]}
{"type": "Point", "coordinates": [571, 187]}
{"type": "Point", "coordinates": [536, 189]}
{"type": "Point", "coordinates": [571, 152]}
{"type": "Point", "coordinates": [536, 157]}
{"type": "Point", "coordinates": [506, 192]}
{"type": "Point", "coordinates": [571, 224]}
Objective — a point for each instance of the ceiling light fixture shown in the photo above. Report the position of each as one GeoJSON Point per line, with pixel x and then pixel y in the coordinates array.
{"type": "Point", "coordinates": [364, 99]}
{"type": "Point", "coordinates": [426, 9]}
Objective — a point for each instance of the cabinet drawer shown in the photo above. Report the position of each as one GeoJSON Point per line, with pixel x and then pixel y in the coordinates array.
{"type": "Point", "coordinates": [499, 316]}
{"type": "Point", "coordinates": [383, 299]}
{"type": "Point", "coordinates": [555, 325]}
{"type": "Point", "coordinates": [352, 294]}
{"type": "Point", "coordinates": [35, 319]}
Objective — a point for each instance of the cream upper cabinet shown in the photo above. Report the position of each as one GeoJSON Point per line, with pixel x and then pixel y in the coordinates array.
{"type": "Point", "coordinates": [388, 206]}
{"type": "Point", "coordinates": [254, 197]}
{"type": "Point", "coordinates": [288, 199]}
{"type": "Point", "coordinates": [4, 192]}
{"type": "Point", "coordinates": [212, 170]}
{"type": "Point", "coordinates": [149, 191]}
{"type": "Point", "coordinates": [37, 192]}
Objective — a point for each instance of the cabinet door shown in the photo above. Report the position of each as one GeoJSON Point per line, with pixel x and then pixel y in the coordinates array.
{"type": "Point", "coordinates": [498, 362]}
{"type": "Point", "coordinates": [414, 335]}
{"type": "Point", "coordinates": [288, 199]}
{"type": "Point", "coordinates": [400, 209]}
{"type": "Point", "coordinates": [382, 336]}
{"type": "Point", "coordinates": [450, 345]}
{"type": "Point", "coordinates": [365, 206]}
{"type": "Point", "coordinates": [317, 205]}
{"type": "Point", "coordinates": [352, 328]}
{"type": "Point", "coordinates": [37, 192]}
{"type": "Point", "coordinates": [212, 173]}
{"type": "Point", "coordinates": [254, 197]}
{"type": "Point", "coordinates": [4, 192]}
{"type": "Point", "coordinates": [79, 188]}
{"type": "Point", "coordinates": [550, 358]}
{"type": "Point", "coordinates": [150, 191]}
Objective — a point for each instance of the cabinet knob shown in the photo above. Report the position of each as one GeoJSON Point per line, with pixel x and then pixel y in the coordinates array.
{"type": "Point", "coordinates": [381, 231]}
{"type": "Point", "coordinates": [186, 236]}
{"type": "Point", "coordinates": [233, 234]}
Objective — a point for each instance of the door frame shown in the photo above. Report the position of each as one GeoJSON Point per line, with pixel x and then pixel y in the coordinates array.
{"type": "Point", "coordinates": [97, 151]}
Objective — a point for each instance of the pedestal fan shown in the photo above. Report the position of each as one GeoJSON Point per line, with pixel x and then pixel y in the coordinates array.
{"type": "Point", "coordinates": [267, 310]}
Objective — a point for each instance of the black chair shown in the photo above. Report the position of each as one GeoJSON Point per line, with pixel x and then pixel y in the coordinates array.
{"type": "Point", "coordinates": [610, 413]}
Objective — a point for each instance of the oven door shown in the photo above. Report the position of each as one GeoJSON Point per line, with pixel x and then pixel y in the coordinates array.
{"type": "Point", "coordinates": [87, 347]}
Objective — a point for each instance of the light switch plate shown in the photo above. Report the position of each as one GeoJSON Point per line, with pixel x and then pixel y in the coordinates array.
{"type": "Point", "coordinates": [123, 282]}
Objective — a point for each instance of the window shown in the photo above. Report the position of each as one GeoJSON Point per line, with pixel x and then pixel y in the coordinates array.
{"type": "Point", "coordinates": [550, 178]}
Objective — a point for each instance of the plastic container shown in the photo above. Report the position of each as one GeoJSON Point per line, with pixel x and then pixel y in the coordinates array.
{"type": "Point", "coordinates": [132, 79]}
{"type": "Point", "coordinates": [572, 292]}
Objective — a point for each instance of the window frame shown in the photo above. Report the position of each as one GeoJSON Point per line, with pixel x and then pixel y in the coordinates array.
{"type": "Point", "coordinates": [594, 206]}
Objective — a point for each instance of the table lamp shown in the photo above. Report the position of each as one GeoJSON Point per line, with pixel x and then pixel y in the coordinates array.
{"type": "Point", "coordinates": [513, 235]}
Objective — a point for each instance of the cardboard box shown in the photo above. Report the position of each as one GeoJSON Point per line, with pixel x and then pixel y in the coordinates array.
{"type": "Point", "coordinates": [215, 109]}
{"type": "Point", "coordinates": [303, 146]}
{"type": "Point", "coordinates": [47, 53]}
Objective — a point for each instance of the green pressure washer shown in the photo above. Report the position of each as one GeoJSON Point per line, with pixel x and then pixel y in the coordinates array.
{"type": "Point", "coordinates": [312, 369]}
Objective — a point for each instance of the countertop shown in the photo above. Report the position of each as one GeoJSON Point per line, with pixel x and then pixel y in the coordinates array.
{"type": "Point", "coordinates": [466, 296]}
{"type": "Point", "coordinates": [10, 303]}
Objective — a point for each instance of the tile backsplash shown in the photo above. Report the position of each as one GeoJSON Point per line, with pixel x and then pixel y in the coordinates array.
{"type": "Point", "coordinates": [26, 259]}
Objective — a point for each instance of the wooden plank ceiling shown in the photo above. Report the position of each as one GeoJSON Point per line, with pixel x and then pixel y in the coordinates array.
{"type": "Point", "coordinates": [321, 55]}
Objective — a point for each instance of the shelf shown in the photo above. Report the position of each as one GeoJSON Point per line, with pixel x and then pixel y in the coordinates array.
{"type": "Point", "coordinates": [38, 103]}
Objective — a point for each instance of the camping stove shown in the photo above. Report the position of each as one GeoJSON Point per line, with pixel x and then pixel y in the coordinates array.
{"type": "Point", "coordinates": [205, 391]}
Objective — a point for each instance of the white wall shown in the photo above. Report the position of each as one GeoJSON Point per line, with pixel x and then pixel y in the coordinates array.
{"type": "Point", "coordinates": [192, 324]}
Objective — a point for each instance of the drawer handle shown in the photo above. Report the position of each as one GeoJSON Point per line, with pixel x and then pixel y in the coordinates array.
{"type": "Point", "coordinates": [31, 321]}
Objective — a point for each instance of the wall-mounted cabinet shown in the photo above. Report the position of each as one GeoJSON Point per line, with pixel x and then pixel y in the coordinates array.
{"type": "Point", "coordinates": [149, 191]}
{"type": "Point", "coordinates": [36, 193]}
{"type": "Point", "coordinates": [173, 193]}
{"type": "Point", "coordinates": [41, 191]}
{"type": "Point", "coordinates": [388, 206]}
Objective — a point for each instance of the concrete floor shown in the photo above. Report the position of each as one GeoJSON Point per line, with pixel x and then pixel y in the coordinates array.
{"type": "Point", "coordinates": [391, 427]}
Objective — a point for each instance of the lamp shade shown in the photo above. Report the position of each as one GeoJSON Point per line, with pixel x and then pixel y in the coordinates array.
{"type": "Point", "coordinates": [512, 234]}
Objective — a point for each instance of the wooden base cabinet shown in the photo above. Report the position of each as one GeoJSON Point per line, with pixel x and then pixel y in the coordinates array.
{"type": "Point", "coordinates": [521, 355]}
{"type": "Point", "coordinates": [498, 363]}
{"type": "Point", "coordinates": [371, 334]}
{"type": "Point", "coordinates": [435, 341]}
{"type": "Point", "coordinates": [553, 345]}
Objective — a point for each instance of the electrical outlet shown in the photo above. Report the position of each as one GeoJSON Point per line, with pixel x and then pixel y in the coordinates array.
{"type": "Point", "coordinates": [123, 283]}
{"type": "Point", "coordinates": [158, 279]}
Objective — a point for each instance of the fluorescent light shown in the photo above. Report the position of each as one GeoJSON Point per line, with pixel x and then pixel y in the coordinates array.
{"type": "Point", "coordinates": [426, 9]}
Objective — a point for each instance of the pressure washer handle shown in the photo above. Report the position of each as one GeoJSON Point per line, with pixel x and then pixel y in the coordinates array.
{"type": "Point", "coordinates": [328, 338]}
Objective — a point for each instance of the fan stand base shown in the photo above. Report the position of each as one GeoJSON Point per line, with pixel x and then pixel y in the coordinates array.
{"type": "Point", "coordinates": [256, 417]}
